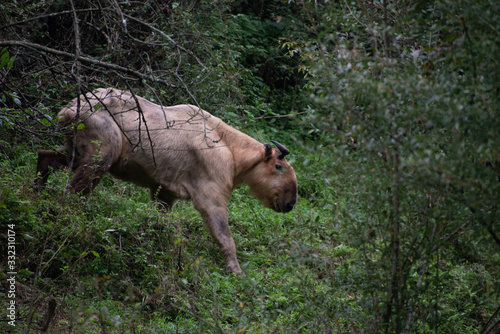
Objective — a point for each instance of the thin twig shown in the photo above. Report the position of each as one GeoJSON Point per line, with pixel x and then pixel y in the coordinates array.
{"type": "Point", "coordinates": [76, 65]}
{"type": "Point", "coordinates": [83, 59]}
{"type": "Point", "coordinates": [146, 302]}
{"type": "Point", "coordinates": [168, 38]}
{"type": "Point", "coordinates": [47, 16]}
{"type": "Point", "coordinates": [141, 113]}
{"type": "Point", "coordinates": [281, 116]}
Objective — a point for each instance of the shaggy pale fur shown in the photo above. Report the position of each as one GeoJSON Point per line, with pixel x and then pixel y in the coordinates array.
{"type": "Point", "coordinates": [178, 152]}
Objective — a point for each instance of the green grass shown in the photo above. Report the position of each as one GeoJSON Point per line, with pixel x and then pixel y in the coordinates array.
{"type": "Point", "coordinates": [115, 263]}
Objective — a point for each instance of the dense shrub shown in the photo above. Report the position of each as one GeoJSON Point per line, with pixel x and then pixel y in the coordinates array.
{"type": "Point", "coordinates": [391, 111]}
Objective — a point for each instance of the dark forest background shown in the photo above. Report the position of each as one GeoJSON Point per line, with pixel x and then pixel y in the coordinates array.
{"type": "Point", "coordinates": [390, 109]}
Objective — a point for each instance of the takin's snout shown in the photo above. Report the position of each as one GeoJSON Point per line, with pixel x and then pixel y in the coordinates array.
{"type": "Point", "coordinates": [285, 205]}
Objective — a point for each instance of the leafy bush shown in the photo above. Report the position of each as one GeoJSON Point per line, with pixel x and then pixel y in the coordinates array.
{"type": "Point", "coordinates": [389, 108]}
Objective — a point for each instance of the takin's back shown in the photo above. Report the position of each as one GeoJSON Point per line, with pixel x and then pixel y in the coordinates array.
{"type": "Point", "coordinates": [154, 146]}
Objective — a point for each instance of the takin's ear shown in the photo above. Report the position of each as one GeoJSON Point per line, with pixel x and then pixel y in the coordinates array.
{"type": "Point", "coordinates": [268, 151]}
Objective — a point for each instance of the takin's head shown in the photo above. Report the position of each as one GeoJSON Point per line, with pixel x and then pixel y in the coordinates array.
{"type": "Point", "coordinates": [273, 181]}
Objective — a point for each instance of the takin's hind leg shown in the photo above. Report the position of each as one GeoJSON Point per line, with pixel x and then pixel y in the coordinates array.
{"type": "Point", "coordinates": [46, 160]}
{"type": "Point", "coordinates": [163, 198]}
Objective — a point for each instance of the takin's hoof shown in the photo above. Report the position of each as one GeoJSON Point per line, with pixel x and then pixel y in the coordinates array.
{"type": "Point", "coordinates": [234, 269]}
{"type": "Point", "coordinates": [36, 187]}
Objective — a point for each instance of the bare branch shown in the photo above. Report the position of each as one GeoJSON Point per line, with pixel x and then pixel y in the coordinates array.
{"type": "Point", "coordinates": [76, 67]}
{"type": "Point", "coordinates": [84, 59]}
{"type": "Point", "coordinates": [47, 16]}
{"type": "Point", "coordinates": [168, 38]}
{"type": "Point", "coordinates": [139, 110]}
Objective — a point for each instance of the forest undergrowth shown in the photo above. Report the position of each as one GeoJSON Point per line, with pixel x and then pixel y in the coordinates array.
{"type": "Point", "coordinates": [390, 111]}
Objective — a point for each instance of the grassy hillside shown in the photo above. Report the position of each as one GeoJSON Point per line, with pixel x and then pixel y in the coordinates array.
{"type": "Point", "coordinates": [113, 262]}
{"type": "Point", "coordinates": [390, 110]}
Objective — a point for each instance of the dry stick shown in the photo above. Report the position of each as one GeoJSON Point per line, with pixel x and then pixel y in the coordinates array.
{"type": "Point", "coordinates": [471, 52]}
{"type": "Point", "coordinates": [167, 37]}
{"type": "Point", "coordinates": [488, 328]}
{"type": "Point", "coordinates": [394, 293]}
{"type": "Point", "coordinates": [41, 270]}
{"type": "Point", "coordinates": [375, 44]}
{"type": "Point", "coordinates": [76, 64]}
{"type": "Point", "coordinates": [98, 98]}
{"type": "Point", "coordinates": [82, 59]}
{"type": "Point", "coordinates": [51, 309]}
{"type": "Point", "coordinates": [141, 113]}
{"type": "Point", "coordinates": [48, 15]}
{"type": "Point", "coordinates": [489, 227]}
{"type": "Point", "coordinates": [411, 309]}
{"type": "Point", "coordinates": [435, 232]}
{"type": "Point", "coordinates": [205, 137]}
{"type": "Point", "coordinates": [146, 302]}
{"type": "Point", "coordinates": [354, 16]}
{"type": "Point", "coordinates": [281, 116]}
{"type": "Point", "coordinates": [310, 18]}
{"type": "Point", "coordinates": [78, 57]}
{"type": "Point", "coordinates": [35, 280]}
{"type": "Point", "coordinates": [167, 123]}
{"type": "Point", "coordinates": [179, 62]}
{"type": "Point", "coordinates": [386, 26]}
{"type": "Point", "coordinates": [118, 10]}
{"type": "Point", "coordinates": [7, 84]}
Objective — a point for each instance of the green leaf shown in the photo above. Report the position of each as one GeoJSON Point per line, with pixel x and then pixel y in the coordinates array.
{"type": "Point", "coordinates": [4, 59]}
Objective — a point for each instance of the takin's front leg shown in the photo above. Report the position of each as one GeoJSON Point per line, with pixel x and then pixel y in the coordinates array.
{"type": "Point", "coordinates": [90, 171]}
{"type": "Point", "coordinates": [215, 218]}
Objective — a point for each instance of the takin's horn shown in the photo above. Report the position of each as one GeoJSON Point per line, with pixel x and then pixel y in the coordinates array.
{"type": "Point", "coordinates": [284, 151]}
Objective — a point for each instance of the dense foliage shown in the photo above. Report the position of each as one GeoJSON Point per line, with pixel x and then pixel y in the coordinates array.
{"type": "Point", "coordinates": [391, 111]}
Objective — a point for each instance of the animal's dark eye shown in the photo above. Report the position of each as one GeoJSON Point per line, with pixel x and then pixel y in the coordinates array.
{"type": "Point", "coordinates": [278, 166]}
